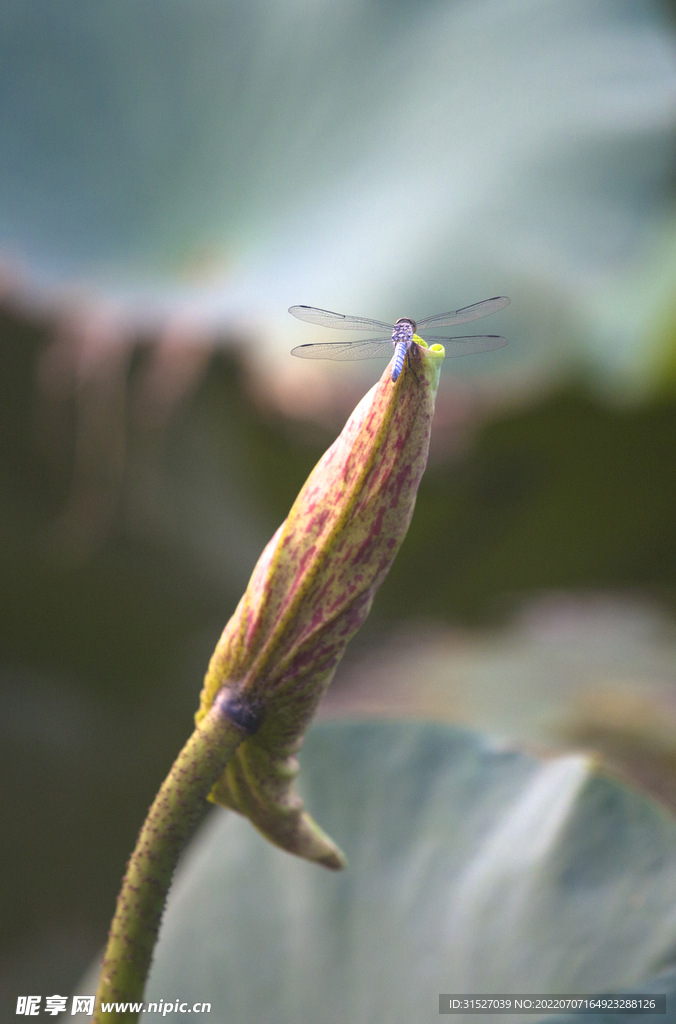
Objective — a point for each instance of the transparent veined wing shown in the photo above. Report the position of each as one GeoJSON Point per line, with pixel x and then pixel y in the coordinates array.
{"type": "Point", "coordinates": [325, 318]}
{"type": "Point", "coordinates": [377, 348]}
{"type": "Point", "coordinates": [464, 315]}
{"type": "Point", "coordinates": [369, 348]}
{"type": "Point", "coordinates": [468, 346]}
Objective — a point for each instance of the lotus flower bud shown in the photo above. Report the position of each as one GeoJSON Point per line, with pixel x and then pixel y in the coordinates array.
{"type": "Point", "coordinates": [310, 592]}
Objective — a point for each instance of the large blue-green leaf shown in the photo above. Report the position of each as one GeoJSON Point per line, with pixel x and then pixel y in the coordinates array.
{"type": "Point", "coordinates": [223, 160]}
{"type": "Point", "coordinates": [472, 868]}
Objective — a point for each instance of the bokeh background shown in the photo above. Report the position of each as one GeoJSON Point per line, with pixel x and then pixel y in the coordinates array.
{"type": "Point", "coordinates": [173, 176]}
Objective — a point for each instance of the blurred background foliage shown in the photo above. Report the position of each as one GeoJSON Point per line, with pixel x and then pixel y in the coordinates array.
{"type": "Point", "coordinates": [153, 433]}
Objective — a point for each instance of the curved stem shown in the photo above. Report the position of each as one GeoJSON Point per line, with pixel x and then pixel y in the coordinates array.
{"type": "Point", "coordinates": [172, 819]}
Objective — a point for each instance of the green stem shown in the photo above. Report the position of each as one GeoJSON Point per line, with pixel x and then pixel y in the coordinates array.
{"type": "Point", "coordinates": [172, 819]}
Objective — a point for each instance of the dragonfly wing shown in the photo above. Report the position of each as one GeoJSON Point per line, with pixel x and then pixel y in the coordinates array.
{"type": "Point", "coordinates": [325, 318]}
{"type": "Point", "coordinates": [370, 348]}
{"type": "Point", "coordinates": [467, 346]}
{"type": "Point", "coordinates": [464, 315]}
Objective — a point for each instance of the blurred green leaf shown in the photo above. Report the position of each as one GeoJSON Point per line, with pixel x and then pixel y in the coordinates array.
{"type": "Point", "coordinates": [209, 158]}
{"type": "Point", "coordinates": [472, 868]}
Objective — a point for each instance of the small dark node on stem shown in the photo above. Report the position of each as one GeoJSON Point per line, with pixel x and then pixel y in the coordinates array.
{"type": "Point", "coordinates": [240, 709]}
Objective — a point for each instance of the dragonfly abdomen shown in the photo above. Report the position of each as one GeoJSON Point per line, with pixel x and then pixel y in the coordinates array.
{"type": "Point", "coordinates": [402, 335]}
{"type": "Point", "coordinates": [400, 351]}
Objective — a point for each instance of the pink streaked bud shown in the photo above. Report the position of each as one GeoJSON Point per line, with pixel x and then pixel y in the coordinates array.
{"type": "Point", "coordinates": [310, 592]}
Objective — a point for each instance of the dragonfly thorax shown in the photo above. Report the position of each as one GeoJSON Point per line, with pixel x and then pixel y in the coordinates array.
{"type": "Point", "coordinates": [403, 329]}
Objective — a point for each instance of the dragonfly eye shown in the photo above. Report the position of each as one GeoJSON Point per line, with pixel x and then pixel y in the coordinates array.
{"type": "Point", "coordinates": [406, 320]}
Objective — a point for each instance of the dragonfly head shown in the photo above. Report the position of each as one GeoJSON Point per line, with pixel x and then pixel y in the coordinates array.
{"type": "Point", "coordinates": [403, 330]}
{"type": "Point", "coordinates": [406, 320]}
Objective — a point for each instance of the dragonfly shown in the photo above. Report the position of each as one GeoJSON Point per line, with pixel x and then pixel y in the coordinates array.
{"type": "Point", "coordinates": [400, 336]}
